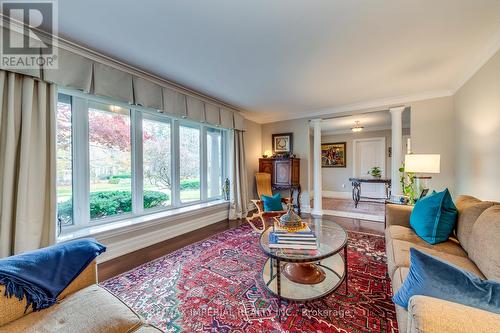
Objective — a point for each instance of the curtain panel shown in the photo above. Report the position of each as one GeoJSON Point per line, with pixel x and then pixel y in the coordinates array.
{"type": "Point", "coordinates": [239, 187]}
{"type": "Point", "coordinates": [27, 163]}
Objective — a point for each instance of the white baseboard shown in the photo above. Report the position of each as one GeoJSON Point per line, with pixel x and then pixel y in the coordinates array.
{"type": "Point", "coordinates": [305, 209]}
{"type": "Point", "coordinates": [335, 194]}
{"type": "Point", "coordinates": [359, 216]}
{"type": "Point", "coordinates": [316, 212]}
{"type": "Point", "coordinates": [133, 241]}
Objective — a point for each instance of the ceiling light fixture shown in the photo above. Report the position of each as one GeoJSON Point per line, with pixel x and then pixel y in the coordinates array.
{"type": "Point", "coordinates": [357, 127]}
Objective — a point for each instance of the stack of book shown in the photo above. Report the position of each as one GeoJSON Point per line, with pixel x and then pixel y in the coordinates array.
{"type": "Point", "coordinates": [302, 240]}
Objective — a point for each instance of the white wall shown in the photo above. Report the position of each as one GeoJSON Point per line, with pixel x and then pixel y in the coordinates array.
{"type": "Point", "coordinates": [477, 122]}
{"type": "Point", "coordinates": [432, 132]}
{"type": "Point", "coordinates": [334, 178]}
{"type": "Point", "coordinates": [301, 146]}
{"type": "Point", "coordinates": [253, 150]}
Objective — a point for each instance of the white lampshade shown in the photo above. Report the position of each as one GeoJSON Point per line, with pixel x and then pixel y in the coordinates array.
{"type": "Point", "coordinates": [423, 163]}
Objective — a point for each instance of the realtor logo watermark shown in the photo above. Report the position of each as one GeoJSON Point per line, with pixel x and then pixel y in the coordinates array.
{"type": "Point", "coordinates": [22, 45]}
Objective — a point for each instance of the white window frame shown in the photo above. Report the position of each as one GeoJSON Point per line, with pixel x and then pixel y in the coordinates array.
{"type": "Point", "coordinates": [80, 160]}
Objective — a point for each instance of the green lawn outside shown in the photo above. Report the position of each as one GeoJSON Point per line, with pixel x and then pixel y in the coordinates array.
{"type": "Point", "coordinates": [64, 192]}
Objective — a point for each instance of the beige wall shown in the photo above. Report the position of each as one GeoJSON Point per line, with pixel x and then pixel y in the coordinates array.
{"type": "Point", "coordinates": [334, 178]}
{"type": "Point", "coordinates": [464, 129]}
{"type": "Point", "coordinates": [300, 130]}
{"type": "Point", "coordinates": [432, 132]}
{"type": "Point", "coordinates": [253, 150]}
{"type": "Point", "coordinates": [477, 122]}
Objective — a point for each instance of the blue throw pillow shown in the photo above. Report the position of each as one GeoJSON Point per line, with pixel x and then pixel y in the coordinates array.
{"type": "Point", "coordinates": [430, 276]}
{"type": "Point", "coordinates": [433, 217]}
{"type": "Point", "coordinates": [272, 204]}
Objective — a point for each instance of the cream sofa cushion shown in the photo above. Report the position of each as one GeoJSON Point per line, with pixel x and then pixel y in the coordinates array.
{"type": "Point", "coordinates": [401, 257]}
{"type": "Point", "coordinates": [397, 281]}
{"type": "Point", "coordinates": [399, 240]}
{"type": "Point", "coordinates": [433, 315]}
{"type": "Point", "coordinates": [469, 209]}
{"type": "Point", "coordinates": [484, 243]}
{"type": "Point", "coordinates": [407, 234]}
{"type": "Point", "coordinates": [90, 310]}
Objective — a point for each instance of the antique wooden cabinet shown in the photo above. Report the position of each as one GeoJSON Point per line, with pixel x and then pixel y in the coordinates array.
{"type": "Point", "coordinates": [285, 175]}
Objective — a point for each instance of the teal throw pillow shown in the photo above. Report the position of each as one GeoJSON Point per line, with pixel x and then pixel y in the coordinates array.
{"type": "Point", "coordinates": [433, 217]}
{"type": "Point", "coordinates": [272, 204]}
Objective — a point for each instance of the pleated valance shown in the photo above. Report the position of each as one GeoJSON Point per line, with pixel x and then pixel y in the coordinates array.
{"type": "Point", "coordinates": [195, 109]}
{"type": "Point", "coordinates": [78, 72]}
{"type": "Point", "coordinates": [147, 93]}
{"type": "Point", "coordinates": [104, 78]}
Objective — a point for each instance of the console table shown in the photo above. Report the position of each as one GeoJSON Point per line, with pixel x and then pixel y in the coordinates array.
{"type": "Point", "coordinates": [356, 188]}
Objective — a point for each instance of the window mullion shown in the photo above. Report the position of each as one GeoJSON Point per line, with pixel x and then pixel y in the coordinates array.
{"type": "Point", "coordinates": [137, 163]}
{"type": "Point", "coordinates": [176, 201]}
{"type": "Point", "coordinates": [81, 177]}
{"type": "Point", "coordinates": [203, 164]}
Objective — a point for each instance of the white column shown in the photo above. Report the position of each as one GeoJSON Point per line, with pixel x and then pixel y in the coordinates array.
{"type": "Point", "coordinates": [397, 147]}
{"type": "Point", "coordinates": [317, 182]}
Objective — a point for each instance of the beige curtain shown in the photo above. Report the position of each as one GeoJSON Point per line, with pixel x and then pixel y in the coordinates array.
{"type": "Point", "coordinates": [239, 191]}
{"type": "Point", "coordinates": [27, 163]}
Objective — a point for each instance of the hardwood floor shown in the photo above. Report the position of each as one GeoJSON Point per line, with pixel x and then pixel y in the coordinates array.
{"type": "Point", "coordinates": [129, 261]}
{"type": "Point", "coordinates": [371, 227]}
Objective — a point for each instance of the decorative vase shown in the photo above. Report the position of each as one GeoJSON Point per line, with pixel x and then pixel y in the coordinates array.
{"type": "Point", "coordinates": [225, 190]}
{"type": "Point", "coordinates": [290, 219]}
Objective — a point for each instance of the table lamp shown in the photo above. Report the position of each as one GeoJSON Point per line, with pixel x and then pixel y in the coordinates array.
{"type": "Point", "coordinates": [422, 164]}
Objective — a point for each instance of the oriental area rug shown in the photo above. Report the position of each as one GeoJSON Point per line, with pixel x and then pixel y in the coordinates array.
{"type": "Point", "coordinates": [215, 286]}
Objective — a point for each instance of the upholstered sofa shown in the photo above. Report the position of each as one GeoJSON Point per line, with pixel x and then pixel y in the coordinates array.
{"type": "Point", "coordinates": [475, 247]}
{"type": "Point", "coordinates": [82, 307]}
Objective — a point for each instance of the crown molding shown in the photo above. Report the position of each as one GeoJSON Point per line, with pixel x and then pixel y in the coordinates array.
{"type": "Point", "coordinates": [349, 131]}
{"type": "Point", "coordinates": [78, 49]}
{"type": "Point", "coordinates": [377, 104]}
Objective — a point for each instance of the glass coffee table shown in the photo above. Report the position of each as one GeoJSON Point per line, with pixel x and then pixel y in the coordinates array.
{"type": "Point", "coordinates": [303, 275]}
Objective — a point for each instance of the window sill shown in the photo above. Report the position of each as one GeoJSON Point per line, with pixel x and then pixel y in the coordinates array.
{"type": "Point", "coordinates": [137, 223]}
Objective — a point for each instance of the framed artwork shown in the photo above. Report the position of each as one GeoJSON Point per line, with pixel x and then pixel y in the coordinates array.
{"type": "Point", "coordinates": [282, 143]}
{"type": "Point", "coordinates": [333, 155]}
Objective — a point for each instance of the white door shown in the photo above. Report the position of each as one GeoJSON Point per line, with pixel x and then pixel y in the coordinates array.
{"type": "Point", "coordinates": [369, 153]}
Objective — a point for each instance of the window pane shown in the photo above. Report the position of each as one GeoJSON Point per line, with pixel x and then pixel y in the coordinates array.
{"type": "Point", "coordinates": [64, 161]}
{"type": "Point", "coordinates": [214, 162]}
{"type": "Point", "coordinates": [189, 162]}
{"type": "Point", "coordinates": [109, 161]}
{"type": "Point", "coordinates": [156, 163]}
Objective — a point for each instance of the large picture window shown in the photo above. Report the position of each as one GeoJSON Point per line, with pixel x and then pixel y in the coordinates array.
{"type": "Point", "coordinates": [118, 161]}
{"type": "Point", "coordinates": [189, 157]}
{"type": "Point", "coordinates": [110, 168]}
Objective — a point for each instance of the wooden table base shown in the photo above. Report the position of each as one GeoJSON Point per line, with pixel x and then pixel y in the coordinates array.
{"type": "Point", "coordinates": [304, 273]}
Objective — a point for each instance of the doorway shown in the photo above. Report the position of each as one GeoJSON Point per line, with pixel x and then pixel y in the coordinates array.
{"type": "Point", "coordinates": [369, 153]}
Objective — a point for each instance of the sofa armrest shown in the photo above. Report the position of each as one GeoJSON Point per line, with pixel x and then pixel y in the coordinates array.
{"type": "Point", "coordinates": [12, 309]}
{"type": "Point", "coordinates": [397, 215]}
{"type": "Point", "coordinates": [433, 315]}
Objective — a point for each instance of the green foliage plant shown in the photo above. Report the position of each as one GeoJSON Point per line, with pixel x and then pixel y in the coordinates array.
{"type": "Point", "coordinates": [407, 182]}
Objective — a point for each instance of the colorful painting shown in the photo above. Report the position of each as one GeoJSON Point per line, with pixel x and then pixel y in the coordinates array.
{"type": "Point", "coordinates": [333, 155]}
{"type": "Point", "coordinates": [282, 143]}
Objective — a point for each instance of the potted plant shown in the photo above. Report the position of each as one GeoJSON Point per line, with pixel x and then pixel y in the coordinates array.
{"type": "Point", "coordinates": [407, 184]}
{"type": "Point", "coordinates": [375, 172]}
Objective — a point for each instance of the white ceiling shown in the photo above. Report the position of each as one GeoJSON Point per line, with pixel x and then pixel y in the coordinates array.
{"type": "Point", "coordinates": [282, 59]}
{"type": "Point", "coordinates": [372, 121]}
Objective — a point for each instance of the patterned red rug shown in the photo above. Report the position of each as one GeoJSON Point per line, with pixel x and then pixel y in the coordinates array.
{"type": "Point", "coordinates": [215, 286]}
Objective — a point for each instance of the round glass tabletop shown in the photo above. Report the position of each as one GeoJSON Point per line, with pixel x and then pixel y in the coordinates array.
{"type": "Point", "coordinates": [331, 239]}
